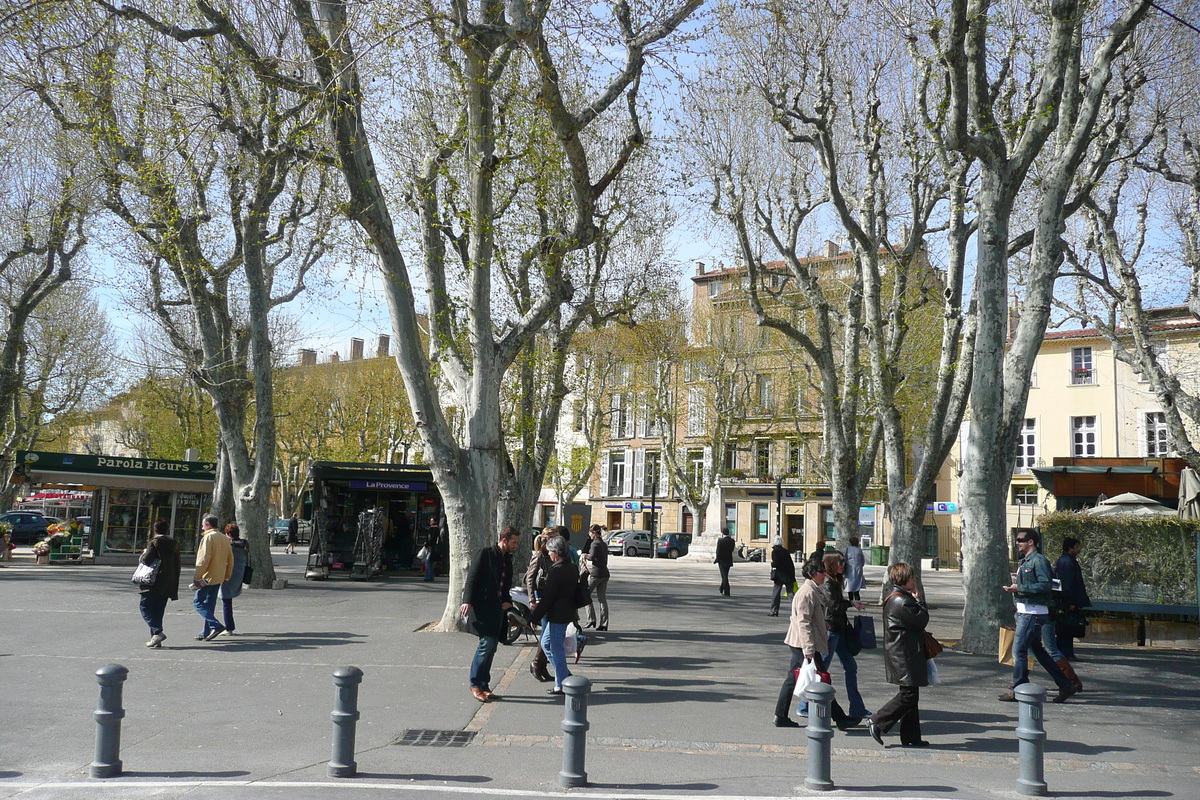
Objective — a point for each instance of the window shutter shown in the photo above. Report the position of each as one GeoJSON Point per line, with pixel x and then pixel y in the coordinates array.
{"type": "Point", "coordinates": [663, 483]}
{"type": "Point", "coordinates": [639, 472]}
{"type": "Point", "coordinates": [604, 475]}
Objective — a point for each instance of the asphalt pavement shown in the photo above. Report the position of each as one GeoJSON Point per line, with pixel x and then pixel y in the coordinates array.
{"type": "Point", "coordinates": [683, 690]}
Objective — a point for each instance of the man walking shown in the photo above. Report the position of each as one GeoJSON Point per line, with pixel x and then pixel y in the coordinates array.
{"type": "Point", "coordinates": [596, 556]}
{"type": "Point", "coordinates": [1032, 591]}
{"type": "Point", "coordinates": [488, 584]}
{"type": "Point", "coordinates": [724, 559]}
{"type": "Point", "coordinates": [214, 566]}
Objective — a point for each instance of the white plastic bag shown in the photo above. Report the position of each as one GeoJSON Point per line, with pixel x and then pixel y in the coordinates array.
{"type": "Point", "coordinates": [933, 672]}
{"type": "Point", "coordinates": [805, 675]}
{"type": "Point", "coordinates": [569, 641]}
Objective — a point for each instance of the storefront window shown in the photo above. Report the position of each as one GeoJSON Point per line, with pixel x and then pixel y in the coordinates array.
{"type": "Point", "coordinates": [188, 506]}
{"type": "Point", "coordinates": [122, 528]}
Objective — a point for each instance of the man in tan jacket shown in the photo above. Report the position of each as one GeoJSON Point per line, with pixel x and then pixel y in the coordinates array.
{"type": "Point", "coordinates": [214, 565]}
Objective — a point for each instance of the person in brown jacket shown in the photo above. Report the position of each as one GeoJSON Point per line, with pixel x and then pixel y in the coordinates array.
{"type": "Point", "coordinates": [214, 566]}
{"type": "Point", "coordinates": [904, 620]}
{"type": "Point", "coordinates": [808, 639]}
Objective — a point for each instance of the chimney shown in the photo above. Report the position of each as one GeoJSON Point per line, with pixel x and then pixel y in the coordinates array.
{"type": "Point", "coordinates": [700, 268]}
{"type": "Point", "coordinates": [356, 349]}
{"type": "Point", "coordinates": [1014, 315]}
{"type": "Point", "coordinates": [381, 350]}
{"type": "Point", "coordinates": [831, 248]}
{"type": "Point", "coordinates": [334, 357]}
{"type": "Point", "coordinates": [308, 358]}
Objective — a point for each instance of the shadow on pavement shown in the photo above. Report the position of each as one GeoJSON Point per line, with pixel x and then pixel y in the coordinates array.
{"type": "Point", "coordinates": [1009, 745]}
{"type": "Point", "coordinates": [185, 773]}
{"type": "Point", "coordinates": [1131, 793]}
{"type": "Point", "coordinates": [8, 773]}
{"type": "Point", "coordinates": [647, 787]}
{"type": "Point", "coordinates": [896, 789]}
{"type": "Point", "coordinates": [276, 642]}
{"type": "Point", "coordinates": [413, 776]}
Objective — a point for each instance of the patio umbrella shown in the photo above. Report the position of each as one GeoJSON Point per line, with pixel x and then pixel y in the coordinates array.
{"type": "Point", "coordinates": [1189, 494]}
{"type": "Point", "coordinates": [1129, 503]}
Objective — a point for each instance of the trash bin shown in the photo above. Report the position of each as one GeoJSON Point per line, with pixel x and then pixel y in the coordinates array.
{"type": "Point", "coordinates": [885, 551]}
{"type": "Point", "coordinates": [874, 559]}
{"type": "Point", "coordinates": [879, 555]}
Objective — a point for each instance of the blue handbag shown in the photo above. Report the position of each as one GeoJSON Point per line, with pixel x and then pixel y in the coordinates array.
{"type": "Point", "coordinates": [864, 629]}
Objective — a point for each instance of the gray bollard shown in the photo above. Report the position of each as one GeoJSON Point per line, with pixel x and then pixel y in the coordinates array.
{"type": "Point", "coordinates": [109, 713]}
{"type": "Point", "coordinates": [575, 727]}
{"type": "Point", "coordinates": [820, 736]}
{"type": "Point", "coordinates": [1031, 734]}
{"type": "Point", "coordinates": [345, 717]}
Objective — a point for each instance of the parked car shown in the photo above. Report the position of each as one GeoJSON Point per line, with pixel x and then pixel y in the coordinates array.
{"type": "Point", "coordinates": [630, 543]}
{"type": "Point", "coordinates": [279, 532]}
{"type": "Point", "coordinates": [673, 545]}
{"type": "Point", "coordinates": [53, 520]}
{"type": "Point", "coordinates": [28, 527]}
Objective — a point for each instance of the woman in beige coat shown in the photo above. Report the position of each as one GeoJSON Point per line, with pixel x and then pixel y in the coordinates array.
{"type": "Point", "coordinates": [808, 639]}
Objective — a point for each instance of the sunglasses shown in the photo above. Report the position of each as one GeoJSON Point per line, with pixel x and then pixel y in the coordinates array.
{"type": "Point", "coordinates": [1021, 541]}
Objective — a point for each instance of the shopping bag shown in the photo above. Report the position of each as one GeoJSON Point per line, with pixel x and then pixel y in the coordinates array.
{"type": "Point", "coordinates": [423, 554]}
{"type": "Point", "coordinates": [146, 574]}
{"type": "Point", "coordinates": [864, 627]}
{"type": "Point", "coordinates": [1007, 635]}
{"type": "Point", "coordinates": [932, 667]}
{"type": "Point", "coordinates": [583, 594]}
{"type": "Point", "coordinates": [806, 674]}
{"type": "Point", "coordinates": [570, 642]}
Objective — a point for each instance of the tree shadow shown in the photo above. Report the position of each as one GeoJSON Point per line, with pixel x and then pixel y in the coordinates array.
{"type": "Point", "coordinates": [417, 776]}
{"type": "Point", "coordinates": [185, 773]}
{"type": "Point", "coordinates": [1127, 793]}
{"type": "Point", "coordinates": [1010, 746]}
{"type": "Point", "coordinates": [9, 773]}
{"type": "Point", "coordinates": [894, 789]}
{"type": "Point", "coordinates": [650, 787]}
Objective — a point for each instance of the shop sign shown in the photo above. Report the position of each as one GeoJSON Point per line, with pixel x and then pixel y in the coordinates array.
{"type": "Point", "coordinates": [116, 465]}
{"type": "Point", "coordinates": [390, 486]}
{"type": "Point", "coordinates": [633, 505]}
{"type": "Point", "coordinates": [943, 508]}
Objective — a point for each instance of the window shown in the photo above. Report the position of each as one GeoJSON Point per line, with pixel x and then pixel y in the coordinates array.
{"type": "Point", "coordinates": [795, 458]}
{"type": "Point", "coordinates": [764, 392]}
{"type": "Point", "coordinates": [731, 457]}
{"type": "Point", "coordinates": [760, 521]}
{"type": "Point", "coordinates": [762, 458]}
{"type": "Point", "coordinates": [1081, 367]}
{"type": "Point", "coordinates": [731, 518]}
{"type": "Point", "coordinates": [827, 525]}
{"type": "Point", "coordinates": [616, 473]}
{"type": "Point", "coordinates": [1156, 435]}
{"type": "Point", "coordinates": [577, 411]}
{"type": "Point", "coordinates": [695, 425]}
{"type": "Point", "coordinates": [714, 288]}
{"type": "Point", "coordinates": [1026, 447]}
{"type": "Point", "coordinates": [1085, 437]}
{"type": "Point", "coordinates": [650, 479]}
{"type": "Point", "coordinates": [696, 468]}
{"type": "Point", "coordinates": [1024, 495]}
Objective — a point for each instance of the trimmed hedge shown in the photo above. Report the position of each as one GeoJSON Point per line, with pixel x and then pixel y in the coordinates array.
{"type": "Point", "coordinates": [1127, 558]}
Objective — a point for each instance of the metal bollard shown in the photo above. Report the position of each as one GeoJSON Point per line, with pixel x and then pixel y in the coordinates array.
{"type": "Point", "coordinates": [575, 727]}
{"type": "Point", "coordinates": [345, 717]}
{"type": "Point", "coordinates": [820, 736]}
{"type": "Point", "coordinates": [109, 713]}
{"type": "Point", "coordinates": [1031, 734]}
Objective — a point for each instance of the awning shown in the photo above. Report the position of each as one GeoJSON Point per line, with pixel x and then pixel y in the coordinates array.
{"type": "Point", "coordinates": [1045, 475]}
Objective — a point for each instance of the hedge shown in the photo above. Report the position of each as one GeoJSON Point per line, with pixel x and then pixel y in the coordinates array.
{"type": "Point", "coordinates": [1129, 559]}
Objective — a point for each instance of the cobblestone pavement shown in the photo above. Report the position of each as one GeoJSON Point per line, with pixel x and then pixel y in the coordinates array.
{"type": "Point", "coordinates": [683, 691]}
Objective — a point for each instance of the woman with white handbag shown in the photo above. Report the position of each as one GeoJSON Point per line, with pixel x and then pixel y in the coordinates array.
{"type": "Point", "coordinates": [163, 583]}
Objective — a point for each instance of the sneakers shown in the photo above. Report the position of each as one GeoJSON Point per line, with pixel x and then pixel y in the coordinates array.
{"type": "Point", "coordinates": [156, 640]}
{"type": "Point", "coordinates": [214, 634]}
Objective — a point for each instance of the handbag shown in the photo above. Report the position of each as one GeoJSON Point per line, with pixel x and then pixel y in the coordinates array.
{"type": "Point", "coordinates": [146, 574]}
{"type": "Point", "coordinates": [583, 596]}
{"type": "Point", "coordinates": [933, 647]}
{"type": "Point", "coordinates": [864, 629]}
{"type": "Point", "coordinates": [247, 574]}
{"type": "Point", "coordinates": [808, 674]}
{"type": "Point", "coordinates": [774, 574]}
{"type": "Point", "coordinates": [853, 643]}
{"type": "Point", "coordinates": [423, 554]}
{"type": "Point", "coordinates": [1007, 634]}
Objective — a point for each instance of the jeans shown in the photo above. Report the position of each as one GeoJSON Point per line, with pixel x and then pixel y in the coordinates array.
{"type": "Point", "coordinates": [429, 573]}
{"type": "Point", "coordinates": [552, 642]}
{"type": "Point", "coordinates": [903, 709]}
{"type": "Point", "coordinates": [205, 603]}
{"type": "Point", "coordinates": [1050, 642]}
{"type": "Point", "coordinates": [481, 665]}
{"type": "Point", "coordinates": [153, 609]}
{"type": "Point", "coordinates": [841, 646]}
{"type": "Point", "coordinates": [227, 612]}
{"type": "Point", "coordinates": [1029, 636]}
{"type": "Point", "coordinates": [599, 589]}
{"type": "Point", "coordinates": [784, 701]}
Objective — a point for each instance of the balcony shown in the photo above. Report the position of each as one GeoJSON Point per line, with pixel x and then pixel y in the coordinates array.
{"type": "Point", "coordinates": [1083, 376]}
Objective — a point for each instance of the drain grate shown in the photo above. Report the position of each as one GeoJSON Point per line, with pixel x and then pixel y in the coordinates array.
{"type": "Point", "coordinates": [423, 737]}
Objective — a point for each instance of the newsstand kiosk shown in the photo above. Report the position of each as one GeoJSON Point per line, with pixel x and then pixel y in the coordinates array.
{"type": "Point", "coordinates": [368, 518]}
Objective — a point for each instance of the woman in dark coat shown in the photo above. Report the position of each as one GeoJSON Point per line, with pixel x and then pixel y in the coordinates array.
{"type": "Point", "coordinates": [904, 622]}
{"type": "Point", "coordinates": [557, 605]}
{"type": "Point", "coordinates": [783, 573]}
{"type": "Point", "coordinates": [1070, 622]}
{"type": "Point", "coordinates": [166, 586]}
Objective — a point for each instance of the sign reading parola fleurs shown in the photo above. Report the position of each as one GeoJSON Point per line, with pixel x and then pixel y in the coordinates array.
{"type": "Point", "coordinates": [116, 465]}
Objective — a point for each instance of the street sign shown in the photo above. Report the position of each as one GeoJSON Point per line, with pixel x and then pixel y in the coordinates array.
{"type": "Point", "coordinates": [633, 505]}
{"type": "Point", "coordinates": [945, 508]}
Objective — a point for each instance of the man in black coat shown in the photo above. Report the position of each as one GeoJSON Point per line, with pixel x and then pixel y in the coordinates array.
{"type": "Point", "coordinates": [724, 559]}
{"type": "Point", "coordinates": [488, 584]}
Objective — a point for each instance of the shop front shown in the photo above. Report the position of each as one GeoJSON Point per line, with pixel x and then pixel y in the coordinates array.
{"type": "Point", "coordinates": [128, 495]}
{"type": "Point", "coordinates": [371, 517]}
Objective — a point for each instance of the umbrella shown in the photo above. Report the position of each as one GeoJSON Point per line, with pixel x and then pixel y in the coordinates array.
{"type": "Point", "coordinates": [1189, 494]}
{"type": "Point", "coordinates": [1129, 503]}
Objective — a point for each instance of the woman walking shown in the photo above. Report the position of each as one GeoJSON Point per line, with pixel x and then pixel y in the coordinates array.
{"type": "Point", "coordinates": [153, 603]}
{"type": "Point", "coordinates": [557, 605]}
{"type": "Point", "coordinates": [904, 620]}
{"type": "Point", "coordinates": [837, 609]}
{"type": "Point", "coordinates": [535, 581]}
{"type": "Point", "coordinates": [783, 573]}
{"type": "Point", "coordinates": [855, 560]}
{"type": "Point", "coordinates": [808, 639]}
{"type": "Point", "coordinates": [233, 587]}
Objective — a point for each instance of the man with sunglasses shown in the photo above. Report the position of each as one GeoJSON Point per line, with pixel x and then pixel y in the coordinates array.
{"type": "Point", "coordinates": [1033, 598]}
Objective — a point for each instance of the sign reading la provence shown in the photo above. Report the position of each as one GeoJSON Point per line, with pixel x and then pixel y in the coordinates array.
{"type": "Point", "coordinates": [117, 465]}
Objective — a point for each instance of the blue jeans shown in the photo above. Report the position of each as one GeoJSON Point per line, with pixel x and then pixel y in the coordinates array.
{"type": "Point", "coordinates": [1050, 641]}
{"type": "Point", "coordinates": [205, 603]}
{"type": "Point", "coordinates": [429, 573]}
{"type": "Point", "coordinates": [838, 645]}
{"type": "Point", "coordinates": [153, 609]}
{"type": "Point", "coordinates": [553, 634]}
{"type": "Point", "coordinates": [481, 665]}
{"type": "Point", "coordinates": [1027, 636]}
